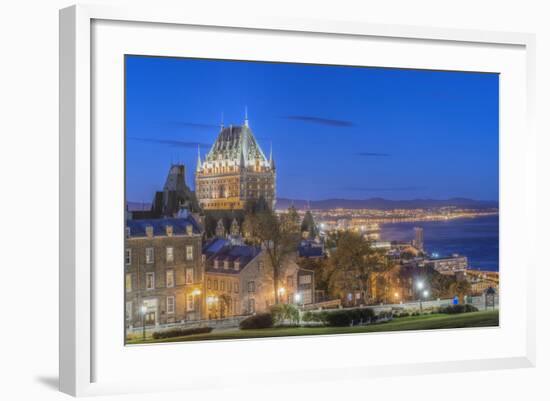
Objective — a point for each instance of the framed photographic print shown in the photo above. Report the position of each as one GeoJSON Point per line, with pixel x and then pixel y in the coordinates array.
{"type": "Point", "coordinates": [293, 192]}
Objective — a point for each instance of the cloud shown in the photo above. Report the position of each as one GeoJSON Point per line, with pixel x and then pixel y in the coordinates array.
{"type": "Point", "coordinates": [172, 142]}
{"type": "Point", "coordinates": [372, 154]}
{"type": "Point", "coordinates": [384, 189]}
{"type": "Point", "coordinates": [190, 124]}
{"type": "Point", "coordinates": [321, 121]}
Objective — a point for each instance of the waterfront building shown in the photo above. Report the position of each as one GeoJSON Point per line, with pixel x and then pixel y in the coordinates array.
{"type": "Point", "coordinates": [163, 270]}
{"type": "Point", "coordinates": [418, 241]}
{"type": "Point", "coordinates": [235, 171]}
{"type": "Point", "coordinates": [449, 265]}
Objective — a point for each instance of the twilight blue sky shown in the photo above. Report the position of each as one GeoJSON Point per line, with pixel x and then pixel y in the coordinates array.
{"type": "Point", "coordinates": [337, 132]}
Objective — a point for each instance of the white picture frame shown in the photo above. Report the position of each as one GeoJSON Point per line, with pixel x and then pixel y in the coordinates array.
{"type": "Point", "coordinates": [79, 345]}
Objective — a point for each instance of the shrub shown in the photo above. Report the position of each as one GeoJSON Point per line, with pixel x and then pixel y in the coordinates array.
{"type": "Point", "coordinates": [180, 332]}
{"type": "Point", "coordinates": [284, 312]}
{"type": "Point", "coordinates": [348, 317]}
{"type": "Point", "coordinates": [339, 318]}
{"type": "Point", "coordinates": [461, 308]}
{"type": "Point", "coordinates": [259, 321]}
{"type": "Point", "coordinates": [308, 316]}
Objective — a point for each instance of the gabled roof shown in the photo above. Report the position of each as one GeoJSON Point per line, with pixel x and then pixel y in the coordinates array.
{"type": "Point", "coordinates": [222, 250]}
{"type": "Point", "coordinates": [310, 249]}
{"type": "Point", "coordinates": [236, 143]}
{"type": "Point", "coordinates": [137, 228]}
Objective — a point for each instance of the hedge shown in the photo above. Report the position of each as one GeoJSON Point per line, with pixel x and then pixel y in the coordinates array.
{"type": "Point", "coordinates": [461, 308]}
{"type": "Point", "coordinates": [179, 332]}
{"type": "Point", "coordinates": [258, 321]}
{"type": "Point", "coordinates": [348, 317]}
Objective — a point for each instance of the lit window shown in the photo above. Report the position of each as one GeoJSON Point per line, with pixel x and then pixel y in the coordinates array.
{"type": "Point", "coordinates": [222, 285]}
{"type": "Point", "coordinates": [128, 282]}
{"type": "Point", "coordinates": [215, 284]}
{"type": "Point", "coordinates": [170, 304]}
{"type": "Point", "coordinates": [150, 281]}
{"type": "Point", "coordinates": [169, 278]}
{"type": "Point", "coordinates": [128, 257]}
{"type": "Point", "coordinates": [208, 284]}
{"type": "Point", "coordinates": [290, 281]}
{"type": "Point", "coordinates": [189, 275]}
{"type": "Point", "coordinates": [149, 255]}
{"type": "Point", "coordinates": [189, 252]}
{"type": "Point", "coordinates": [305, 279]}
{"type": "Point", "coordinates": [169, 254]}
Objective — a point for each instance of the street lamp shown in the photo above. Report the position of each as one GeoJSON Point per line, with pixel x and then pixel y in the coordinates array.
{"type": "Point", "coordinates": [425, 294]}
{"type": "Point", "coordinates": [143, 311]}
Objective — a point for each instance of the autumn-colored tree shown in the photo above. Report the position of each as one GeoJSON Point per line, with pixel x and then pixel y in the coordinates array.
{"type": "Point", "coordinates": [354, 261]}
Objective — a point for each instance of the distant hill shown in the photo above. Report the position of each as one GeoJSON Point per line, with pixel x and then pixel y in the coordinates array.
{"type": "Point", "coordinates": [386, 204]}
{"type": "Point", "coordinates": [372, 203]}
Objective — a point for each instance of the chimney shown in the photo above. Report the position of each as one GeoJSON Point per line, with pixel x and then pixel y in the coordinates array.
{"type": "Point", "coordinates": [149, 231]}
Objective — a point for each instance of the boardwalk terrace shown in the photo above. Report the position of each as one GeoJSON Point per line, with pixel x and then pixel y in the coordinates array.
{"type": "Point", "coordinates": [234, 171]}
{"type": "Point", "coordinates": [163, 270]}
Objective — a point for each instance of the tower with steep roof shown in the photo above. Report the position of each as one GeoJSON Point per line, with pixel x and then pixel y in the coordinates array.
{"type": "Point", "coordinates": [235, 171]}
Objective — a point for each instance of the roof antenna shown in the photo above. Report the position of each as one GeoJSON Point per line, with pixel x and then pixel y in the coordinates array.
{"type": "Point", "coordinates": [246, 116]}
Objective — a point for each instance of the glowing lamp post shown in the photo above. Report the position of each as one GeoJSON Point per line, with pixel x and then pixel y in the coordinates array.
{"type": "Point", "coordinates": [423, 293]}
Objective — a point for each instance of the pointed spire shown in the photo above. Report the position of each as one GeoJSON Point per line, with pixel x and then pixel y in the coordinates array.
{"type": "Point", "coordinates": [246, 116]}
{"type": "Point", "coordinates": [199, 163]}
{"type": "Point", "coordinates": [221, 124]}
{"type": "Point", "coordinates": [271, 161]}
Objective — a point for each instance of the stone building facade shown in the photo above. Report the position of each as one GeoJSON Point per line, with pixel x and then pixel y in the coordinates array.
{"type": "Point", "coordinates": [163, 269]}
{"type": "Point", "coordinates": [234, 171]}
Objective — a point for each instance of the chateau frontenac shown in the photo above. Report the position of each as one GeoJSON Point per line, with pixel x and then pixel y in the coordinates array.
{"type": "Point", "coordinates": [234, 171]}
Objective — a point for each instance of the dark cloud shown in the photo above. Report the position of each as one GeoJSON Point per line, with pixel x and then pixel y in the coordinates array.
{"type": "Point", "coordinates": [321, 121]}
{"type": "Point", "coordinates": [384, 189]}
{"type": "Point", "coordinates": [173, 143]}
{"type": "Point", "coordinates": [372, 154]}
{"type": "Point", "coordinates": [190, 124]}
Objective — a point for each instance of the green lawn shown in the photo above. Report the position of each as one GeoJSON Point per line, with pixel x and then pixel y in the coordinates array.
{"type": "Point", "coordinates": [424, 322]}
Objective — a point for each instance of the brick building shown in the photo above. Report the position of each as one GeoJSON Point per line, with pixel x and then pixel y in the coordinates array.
{"type": "Point", "coordinates": [163, 270]}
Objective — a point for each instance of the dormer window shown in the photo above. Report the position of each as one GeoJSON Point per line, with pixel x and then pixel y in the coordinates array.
{"type": "Point", "coordinates": [189, 229]}
{"type": "Point", "coordinates": [226, 264]}
{"type": "Point", "coordinates": [237, 265]}
{"type": "Point", "coordinates": [216, 263]}
{"type": "Point", "coordinates": [169, 231]}
{"type": "Point", "coordinates": [149, 231]}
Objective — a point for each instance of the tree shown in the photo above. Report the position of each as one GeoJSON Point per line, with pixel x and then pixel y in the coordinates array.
{"type": "Point", "coordinates": [460, 288]}
{"type": "Point", "coordinates": [309, 226]}
{"type": "Point", "coordinates": [278, 236]}
{"type": "Point", "coordinates": [354, 261]}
